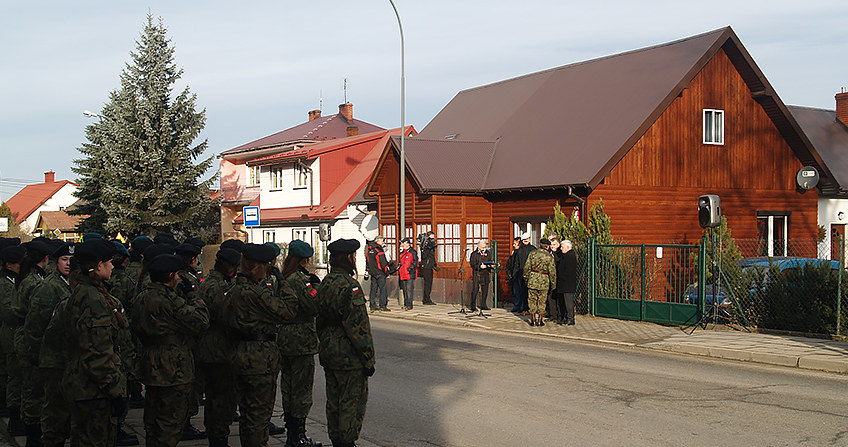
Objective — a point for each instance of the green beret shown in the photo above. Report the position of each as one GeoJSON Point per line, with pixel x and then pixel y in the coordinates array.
{"type": "Point", "coordinates": [195, 241]}
{"type": "Point", "coordinates": [66, 249]}
{"type": "Point", "coordinates": [187, 250]}
{"type": "Point", "coordinates": [165, 263]}
{"type": "Point", "coordinates": [13, 254]}
{"type": "Point", "coordinates": [38, 249]}
{"type": "Point", "coordinates": [95, 250]}
{"type": "Point", "coordinates": [343, 246]}
{"type": "Point", "coordinates": [300, 249]}
{"type": "Point", "coordinates": [165, 238]}
{"type": "Point", "coordinates": [235, 244]}
{"type": "Point", "coordinates": [120, 247]}
{"type": "Point", "coordinates": [275, 247]}
{"type": "Point", "coordinates": [258, 252]}
{"type": "Point", "coordinates": [89, 236]}
{"type": "Point", "coordinates": [140, 243]}
{"type": "Point", "coordinates": [229, 255]}
{"type": "Point", "coordinates": [156, 250]}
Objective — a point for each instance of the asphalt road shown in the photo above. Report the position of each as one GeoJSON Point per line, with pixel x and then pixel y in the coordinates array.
{"type": "Point", "coordinates": [439, 386]}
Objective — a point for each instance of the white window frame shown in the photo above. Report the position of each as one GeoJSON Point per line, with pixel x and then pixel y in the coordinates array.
{"type": "Point", "coordinates": [389, 233]}
{"type": "Point", "coordinates": [474, 233]}
{"type": "Point", "coordinates": [770, 240]}
{"type": "Point", "coordinates": [300, 234]}
{"type": "Point", "coordinates": [269, 236]}
{"type": "Point", "coordinates": [253, 173]}
{"type": "Point", "coordinates": [301, 176]}
{"type": "Point", "coordinates": [277, 177]}
{"type": "Point", "coordinates": [449, 238]}
{"type": "Point", "coordinates": [713, 127]}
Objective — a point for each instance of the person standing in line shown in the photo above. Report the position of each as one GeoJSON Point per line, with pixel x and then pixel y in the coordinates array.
{"type": "Point", "coordinates": [407, 272]}
{"type": "Point", "coordinates": [567, 281]}
{"type": "Point", "coordinates": [123, 289]}
{"type": "Point", "coordinates": [255, 310]}
{"type": "Point", "coordinates": [94, 380]}
{"type": "Point", "coordinates": [540, 276]}
{"type": "Point", "coordinates": [345, 345]}
{"type": "Point", "coordinates": [428, 265]}
{"type": "Point", "coordinates": [511, 278]}
{"type": "Point", "coordinates": [12, 256]}
{"type": "Point", "coordinates": [524, 251]}
{"type": "Point", "coordinates": [215, 349]}
{"type": "Point", "coordinates": [166, 324]}
{"type": "Point", "coordinates": [378, 267]}
{"type": "Point", "coordinates": [554, 310]}
{"type": "Point", "coordinates": [480, 268]}
{"type": "Point", "coordinates": [298, 342]}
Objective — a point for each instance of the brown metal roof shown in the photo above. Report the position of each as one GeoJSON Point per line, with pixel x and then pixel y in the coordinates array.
{"type": "Point", "coordinates": [571, 125]}
{"type": "Point", "coordinates": [829, 137]}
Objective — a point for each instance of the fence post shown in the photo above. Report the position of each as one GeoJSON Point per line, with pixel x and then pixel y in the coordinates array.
{"type": "Point", "coordinates": [590, 259]}
{"type": "Point", "coordinates": [839, 285]}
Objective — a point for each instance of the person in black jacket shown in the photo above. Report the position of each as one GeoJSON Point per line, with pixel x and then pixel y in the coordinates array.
{"type": "Point", "coordinates": [521, 257]}
{"type": "Point", "coordinates": [428, 265]}
{"type": "Point", "coordinates": [510, 278]}
{"type": "Point", "coordinates": [480, 263]}
{"type": "Point", "coordinates": [378, 268]}
{"type": "Point", "coordinates": [567, 281]}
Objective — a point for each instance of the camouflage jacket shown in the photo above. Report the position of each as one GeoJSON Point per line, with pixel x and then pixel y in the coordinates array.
{"type": "Point", "coordinates": [540, 270]}
{"type": "Point", "coordinates": [56, 343]}
{"type": "Point", "coordinates": [299, 336]}
{"type": "Point", "coordinates": [165, 324]}
{"type": "Point", "coordinates": [188, 285]}
{"type": "Point", "coordinates": [133, 270]}
{"type": "Point", "coordinates": [123, 287]}
{"type": "Point", "coordinates": [254, 313]}
{"type": "Point", "coordinates": [214, 344]}
{"type": "Point", "coordinates": [8, 296]}
{"type": "Point", "coordinates": [344, 331]}
{"type": "Point", "coordinates": [42, 303]}
{"type": "Point", "coordinates": [94, 368]}
{"type": "Point", "coordinates": [21, 306]}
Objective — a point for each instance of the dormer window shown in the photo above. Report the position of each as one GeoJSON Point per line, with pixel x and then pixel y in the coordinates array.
{"type": "Point", "coordinates": [276, 177]}
{"type": "Point", "coordinates": [713, 126]}
{"type": "Point", "coordinates": [253, 175]}
{"type": "Point", "coordinates": [301, 176]}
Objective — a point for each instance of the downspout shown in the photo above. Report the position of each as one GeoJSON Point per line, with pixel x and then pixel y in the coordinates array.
{"type": "Point", "coordinates": [581, 202]}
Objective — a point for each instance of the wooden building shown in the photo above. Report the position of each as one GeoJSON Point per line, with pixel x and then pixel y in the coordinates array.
{"type": "Point", "coordinates": [647, 131]}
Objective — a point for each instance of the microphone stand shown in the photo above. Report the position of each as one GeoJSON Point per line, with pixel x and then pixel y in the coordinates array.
{"type": "Point", "coordinates": [459, 277]}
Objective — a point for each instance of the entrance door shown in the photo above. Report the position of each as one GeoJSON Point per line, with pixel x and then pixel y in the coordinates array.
{"type": "Point", "coordinates": [837, 241]}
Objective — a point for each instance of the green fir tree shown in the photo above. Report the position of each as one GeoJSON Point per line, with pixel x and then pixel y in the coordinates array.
{"type": "Point", "coordinates": [599, 224]}
{"type": "Point", "coordinates": [141, 157]}
{"type": "Point", "coordinates": [14, 228]}
{"type": "Point", "coordinates": [566, 227]}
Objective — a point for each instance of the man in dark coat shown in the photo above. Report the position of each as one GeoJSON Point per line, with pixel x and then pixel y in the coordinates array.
{"type": "Point", "coordinates": [480, 263]}
{"type": "Point", "coordinates": [428, 265]}
{"type": "Point", "coordinates": [378, 268]}
{"type": "Point", "coordinates": [567, 281]}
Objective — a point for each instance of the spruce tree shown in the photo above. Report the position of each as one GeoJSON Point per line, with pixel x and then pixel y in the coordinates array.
{"type": "Point", "coordinates": [599, 223]}
{"type": "Point", "coordinates": [141, 157]}
{"type": "Point", "coordinates": [566, 227]}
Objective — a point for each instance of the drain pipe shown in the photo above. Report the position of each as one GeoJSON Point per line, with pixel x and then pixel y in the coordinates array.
{"type": "Point", "coordinates": [580, 201]}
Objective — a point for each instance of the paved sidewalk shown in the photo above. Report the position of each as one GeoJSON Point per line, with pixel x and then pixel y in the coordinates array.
{"type": "Point", "coordinates": [783, 350]}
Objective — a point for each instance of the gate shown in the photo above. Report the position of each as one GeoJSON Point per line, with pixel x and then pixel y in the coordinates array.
{"type": "Point", "coordinates": [657, 283]}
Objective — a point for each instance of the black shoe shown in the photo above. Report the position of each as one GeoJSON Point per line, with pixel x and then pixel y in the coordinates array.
{"type": "Point", "coordinates": [532, 322]}
{"type": "Point", "coordinates": [484, 308]}
{"type": "Point", "coordinates": [16, 425]}
{"type": "Point", "coordinates": [473, 309]}
{"type": "Point", "coordinates": [190, 433]}
{"type": "Point", "coordinates": [570, 323]}
{"type": "Point", "coordinates": [236, 416]}
{"type": "Point", "coordinates": [218, 442]}
{"type": "Point", "coordinates": [541, 323]}
{"type": "Point", "coordinates": [274, 429]}
{"type": "Point", "coordinates": [126, 439]}
{"type": "Point", "coordinates": [33, 436]}
{"type": "Point", "coordinates": [428, 303]}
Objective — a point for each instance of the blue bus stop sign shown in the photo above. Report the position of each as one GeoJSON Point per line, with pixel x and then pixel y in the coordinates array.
{"type": "Point", "coordinates": [251, 216]}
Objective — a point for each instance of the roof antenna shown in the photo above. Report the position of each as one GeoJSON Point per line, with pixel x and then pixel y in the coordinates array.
{"type": "Point", "coordinates": [345, 90]}
{"type": "Point", "coordinates": [321, 100]}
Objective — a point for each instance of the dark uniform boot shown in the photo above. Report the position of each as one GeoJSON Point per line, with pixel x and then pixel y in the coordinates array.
{"type": "Point", "coordinates": [274, 429]}
{"type": "Point", "coordinates": [218, 442]}
{"type": "Point", "coordinates": [302, 439]}
{"type": "Point", "coordinates": [4, 410]}
{"type": "Point", "coordinates": [33, 436]}
{"type": "Point", "coordinates": [190, 433]}
{"type": "Point", "coordinates": [125, 439]}
{"type": "Point", "coordinates": [16, 425]}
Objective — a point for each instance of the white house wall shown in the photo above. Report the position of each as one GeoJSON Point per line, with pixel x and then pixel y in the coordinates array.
{"type": "Point", "coordinates": [829, 213]}
{"type": "Point", "coordinates": [62, 199]}
{"type": "Point", "coordinates": [288, 196]}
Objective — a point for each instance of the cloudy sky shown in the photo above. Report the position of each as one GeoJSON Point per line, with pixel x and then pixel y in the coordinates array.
{"type": "Point", "coordinates": [258, 67]}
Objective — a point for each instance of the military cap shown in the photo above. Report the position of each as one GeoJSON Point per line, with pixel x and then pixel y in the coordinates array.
{"type": "Point", "coordinates": [544, 241]}
{"type": "Point", "coordinates": [258, 252]}
{"type": "Point", "coordinates": [156, 250]}
{"type": "Point", "coordinates": [165, 263]}
{"type": "Point", "coordinates": [66, 249]}
{"type": "Point", "coordinates": [187, 250]}
{"type": "Point", "coordinates": [343, 246]}
{"type": "Point", "coordinates": [9, 242]}
{"type": "Point", "coordinates": [165, 238]}
{"type": "Point", "coordinates": [13, 254]}
{"type": "Point", "coordinates": [38, 248]}
{"type": "Point", "coordinates": [300, 249]}
{"type": "Point", "coordinates": [88, 236]}
{"type": "Point", "coordinates": [235, 244]}
{"type": "Point", "coordinates": [43, 239]}
{"type": "Point", "coordinates": [275, 247]}
{"type": "Point", "coordinates": [95, 250]}
{"type": "Point", "coordinates": [140, 243]}
{"type": "Point", "coordinates": [121, 248]}
{"type": "Point", "coordinates": [56, 243]}
{"type": "Point", "coordinates": [229, 255]}
{"type": "Point", "coordinates": [195, 241]}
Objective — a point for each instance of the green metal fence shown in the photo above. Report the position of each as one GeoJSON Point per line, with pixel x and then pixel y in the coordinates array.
{"type": "Point", "coordinates": [657, 283]}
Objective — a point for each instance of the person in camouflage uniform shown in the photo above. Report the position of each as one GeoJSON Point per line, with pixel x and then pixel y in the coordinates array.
{"type": "Point", "coordinates": [12, 257]}
{"type": "Point", "coordinates": [345, 345]}
{"type": "Point", "coordinates": [5, 242]}
{"type": "Point", "coordinates": [298, 342]}
{"type": "Point", "coordinates": [166, 324]}
{"type": "Point", "coordinates": [187, 288]}
{"type": "Point", "coordinates": [44, 297]}
{"type": "Point", "coordinates": [94, 381]}
{"type": "Point", "coordinates": [255, 310]}
{"type": "Point", "coordinates": [215, 349]}
{"type": "Point", "coordinates": [32, 391]}
{"type": "Point", "coordinates": [133, 271]}
{"type": "Point", "coordinates": [540, 276]}
{"type": "Point", "coordinates": [123, 289]}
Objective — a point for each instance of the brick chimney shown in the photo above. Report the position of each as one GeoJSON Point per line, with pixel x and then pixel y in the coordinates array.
{"type": "Point", "coordinates": [314, 114]}
{"type": "Point", "coordinates": [49, 177]}
{"type": "Point", "coordinates": [346, 110]}
{"type": "Point", "coordinates": [842, 106]}
{"type": "Point", "coordinates": [352, 131]}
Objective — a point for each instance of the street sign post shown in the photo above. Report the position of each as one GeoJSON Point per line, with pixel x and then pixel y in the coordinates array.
{"type": "Point", "coordinates": [251, 216]}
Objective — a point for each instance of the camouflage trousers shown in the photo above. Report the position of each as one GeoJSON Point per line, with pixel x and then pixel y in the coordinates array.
{"type": "Point", "coordinates": [220, 398]}
{"type": "Point", "coordinates": [56, 414]}
{"type": "Point", "coordinates": [93, 424]}
{"type": "Point", "coordinates": [13, 381]}
{"type": "Point", "coordinates": [256, 393]}
{"type": "Point", "coordinates": [347, 396]}
{"type": "Point", "coordinates": [32, 392]}
{"type": "Point", "coordinates": [296, 379]}
{"type": "Point", "coordinates": [537, 299]}
{"type": "Point", "coordinates": [165, 413]}
{"type": "Point", "coordinates": [3, 378]}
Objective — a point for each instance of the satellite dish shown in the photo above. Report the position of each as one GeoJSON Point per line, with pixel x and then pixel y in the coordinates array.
{"type": "Point", "coordinates": [807, 177]}
{"type": "Point", "coordinates": [370, 227]}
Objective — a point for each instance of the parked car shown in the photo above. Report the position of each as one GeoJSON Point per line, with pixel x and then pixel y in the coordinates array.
{"type": "Point", "coordinates": [690, 295]}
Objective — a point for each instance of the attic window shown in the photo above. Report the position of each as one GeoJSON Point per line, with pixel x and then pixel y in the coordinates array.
{"type": "Point", "coordinates": [713, 126]}
{"type": "Point", "coordinates": [451, 136]}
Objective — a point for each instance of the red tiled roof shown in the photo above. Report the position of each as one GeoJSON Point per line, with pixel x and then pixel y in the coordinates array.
{"type": "Point", "coordinates": [320, 129]}
{"type": "Point", "coordinates": [31, 197]}
{"type": "Point", "coordinates": [829, 137]}
{"type": "Point", "coordinates": [312, 151]}
{"type": "Point", "coordinates": [52, 220]}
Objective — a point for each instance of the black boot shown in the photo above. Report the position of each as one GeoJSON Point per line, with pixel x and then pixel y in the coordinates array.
{"type": "Point", "coordinates": [4, 410]}
{"type": "Point", "coordinates": [218, 442]}
{"type": "Point", "coordinates": [33, 435]}
{"type": "Point", "coordinates": [304, 441]}
{"type": "Point", "coordinates": [190, 433]}
{"type": "Point", "coordinates": [125, 439]}
{"type": "Point", "coordinates": [16, 425]}
{"type": "Point", "coordinates": [274, 429]}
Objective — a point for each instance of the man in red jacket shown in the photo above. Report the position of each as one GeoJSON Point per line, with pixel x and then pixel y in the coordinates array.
{"type": "Point", "coordinates": [408, 271]}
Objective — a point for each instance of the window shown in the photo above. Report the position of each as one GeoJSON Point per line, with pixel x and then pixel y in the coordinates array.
{"type": "Point", "coordinates": [276, 177]}
{"type": "Point", "coordinates": [320, 257]}
{"type": "Point", "coordinates": [772, 230]}
{"type": "Point", "coordinates": [389, 233]}
{"type": "Point", "coordinates": [535, 228]}
{"type": "Point", "coordinates": [713, 126]}
{"type": "Point", "coordinates": [269, 236]}
{"type": "Point", "coordinates": [300, 234]}
{"type": "Point", "coordinates": [449, 238]}
{"type": "Point", "coordinates": [253, 175]}
{"type": "Point", "coordinates": [301, 176]}
{"type": "Point", "coordinates": [474, 233]}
